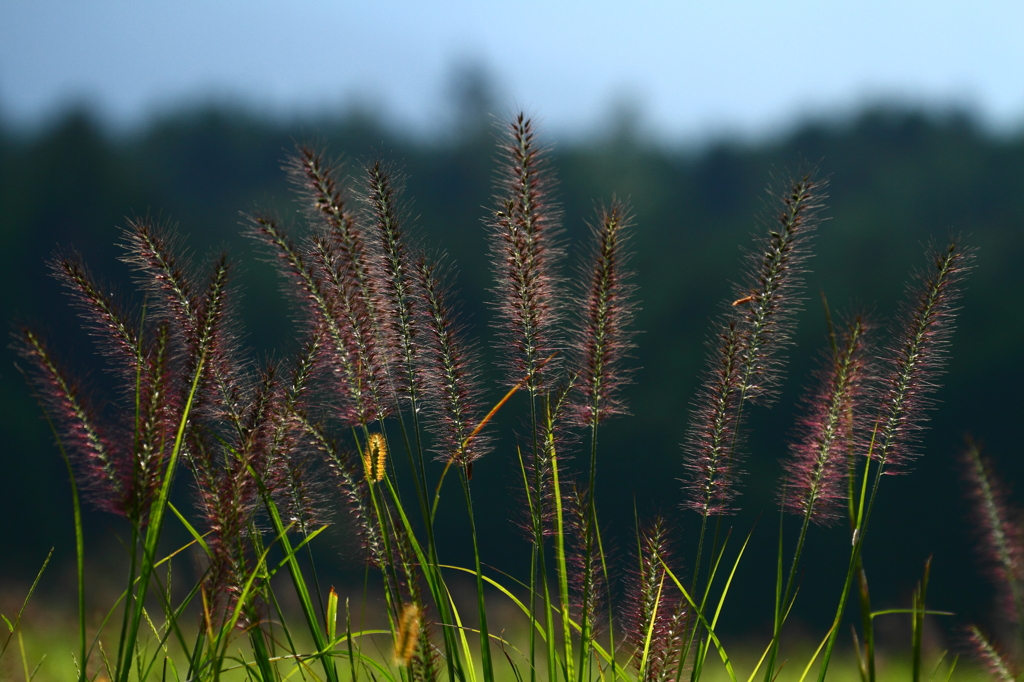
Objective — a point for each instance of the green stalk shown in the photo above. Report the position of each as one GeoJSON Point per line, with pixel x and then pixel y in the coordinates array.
{"type": "Point", "coordinates": [536, 518]}
{"type": "Point", "coordinates": [867, 620]}
{"type": "Point", "coordinates": [485, 643]}
{"type": "Point", "coordinates": [858, 541]}
{"type": "Point", "coordinates": [76, 507]}
{"type": "Point", "coordinates": [784, 598]}
{"type": "Point", "coordinates": [588, 543]}
{"type": "Point", "coordinates": [561, 570]}
{"type": "Point", "coordinates": [920, 595]}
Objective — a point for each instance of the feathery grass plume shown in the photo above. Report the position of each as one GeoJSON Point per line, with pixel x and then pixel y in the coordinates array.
{"type": "Point", "coordinates": [918, 356]}
{"type": "Point", "coordinates": [603, 339]}
{"type": "Point", "coordinates": [353, 487]}
{"type": "Point", "coordinates": [348, 268]}
{"type": "Point", "coordinates": [158, 410]}
{"type": "Point", "coordinates": [816, 471]}
{"type": "Point", "coordinates": [150, 251]}
{"type": "Point", "coordinates": [767, 301]}
{"type": "Point", "coordinates": [524, 231]}
{"type": "Point", "coordinates": [201, 322]}
{"type": "Point", "coordinates": [990, 656]}
{"type": "Point", "coordinates": [585, 567]}
{"type": "Point", "coordinates": [101, 473]}
{"type": "Point", "coordinates": [353, 403]}
{"type": "Point", "coordinates": [294, 473]}
{"type": "Point", "coordinates": [451, 389]}
{"type": "Point", "coordinates": [101, 314]}
{"type": "Point", "coordinates": [655, 615]}
{"type": "Point", "coordinates": [317, 181]}
{"type": "Point", "coordinates": [145, 375]}
{"type": "Point", "coordinates": [375, 457]}
{"type": "Point", "coordinates": [712, 436]}
{"type": "Point", "coordinates": [223, 372]}
{"type": "Point", "coordinates": [395, 281]}
{"type": "Point", "coordinates": [226, 479]}
{"type": "Point", "coordinates": [361, 365]}
{"type": "Point", "coordinates": [1002, 538]}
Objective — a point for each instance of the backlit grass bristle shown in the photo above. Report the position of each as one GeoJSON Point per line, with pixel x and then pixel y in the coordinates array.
{"type": "Point", "coordinates": [353, 402]}
{"type": "Point", "coordinates": [585, 565]}
{"type": "Point", "coordinates": [656, 616]}
{"type": "Point", "coordinates": [117, 332]}
{"type": "Point", "coordinates": [102, 475]}
{"type": "Point", "coordinates": [995, 663]}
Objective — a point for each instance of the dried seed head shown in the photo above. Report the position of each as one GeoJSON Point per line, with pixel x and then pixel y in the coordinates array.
{"type": "Point", "coordinates": [375, 457]}
{"type": "Point", "coordinates": [408, 634]}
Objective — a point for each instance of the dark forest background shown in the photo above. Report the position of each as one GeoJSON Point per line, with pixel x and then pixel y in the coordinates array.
{"type": "Point", "coordinates": [899, 178]}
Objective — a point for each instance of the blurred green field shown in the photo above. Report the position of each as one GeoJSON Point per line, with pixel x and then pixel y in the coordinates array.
{"type": "Point", "coordinates": [49, 638]}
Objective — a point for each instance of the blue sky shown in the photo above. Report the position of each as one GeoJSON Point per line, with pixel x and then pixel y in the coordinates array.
{"type": "Point", "coordinates": [691, 69]}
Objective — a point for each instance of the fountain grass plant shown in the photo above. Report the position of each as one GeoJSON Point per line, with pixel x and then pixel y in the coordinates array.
{"type": "Point", "coordinates": [385, 394]}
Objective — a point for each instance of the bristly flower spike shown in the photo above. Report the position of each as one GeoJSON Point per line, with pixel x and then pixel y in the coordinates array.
{"type": "Point", "coordinates": [815, 473]}
{"type": "Point", "coordinates": [585, 566]}
{"type": "Point", "coordinates": [102, 476]}
{"type": "Point", "coordinates": [991, 658]}
{"type": "Point", "coordinates": [355, 405]}
{"type": "Point", "coordinates": [712, 436]}
{"type": "Point", "coordinates": [656, 615]}
{"type": "Point", "coordinates": [603, 338]}
{"type": "Point", "coordinates": [524, 230]}
{"type": "Point", "coordinates": [745, 365]}
{"type": "Point", "coordinates": [451, 388]}
{"type": "Point", "coordinates": [766, 305]}
{"type": "Point", "coordinates": [342, 252]}
{"type": "Point", "coordinates": [395, 282]}
{"type": "Point", "coordinates": [918, 357]}
{"type": "Point", "coordinates": [101, 312]}
{"type": "Point", "coordinates": [1002, 539]}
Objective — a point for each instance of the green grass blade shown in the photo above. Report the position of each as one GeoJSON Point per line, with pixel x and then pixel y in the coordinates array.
{"type": "Point", "coordinates": [298, 581]}
{"type": "Point", "coordinates": [17, 619]}
{"type": "Point", "coordinates": [469, 669]}
{"type": "Point", "coordinates": [650, 631]}
{"type": "Point", "coordinates": [707, 626]}
{"type": "Point", "coordinates": [817, 652]}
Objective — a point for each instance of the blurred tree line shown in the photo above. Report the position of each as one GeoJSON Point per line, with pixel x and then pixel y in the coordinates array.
{"type": "Point", "coordinates": [898, 178]}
